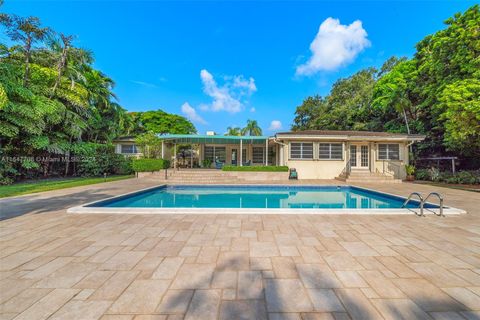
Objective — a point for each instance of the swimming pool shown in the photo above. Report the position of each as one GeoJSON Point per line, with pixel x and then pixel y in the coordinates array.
{"type": "Point", "coordinates": [258, 197]}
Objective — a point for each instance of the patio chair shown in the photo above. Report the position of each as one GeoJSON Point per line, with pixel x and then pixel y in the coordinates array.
{"type": "Point", "coordinates": [293, 175]}
{"type": "Point", "coordinates": [218, 164]}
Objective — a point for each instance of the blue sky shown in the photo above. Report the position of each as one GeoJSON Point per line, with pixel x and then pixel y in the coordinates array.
{"type": "Point", "coordinates": [221, 63]}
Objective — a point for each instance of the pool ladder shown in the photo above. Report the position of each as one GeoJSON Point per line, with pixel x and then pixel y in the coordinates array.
{"type": "Point", "coordinates": [423, 201]}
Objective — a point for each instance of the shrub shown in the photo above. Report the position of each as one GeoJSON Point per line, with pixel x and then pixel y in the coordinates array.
{"type": "Point", "coordinates": [206, 163]}
{"type": "Point", "coordinates": [123, 165]}
{"type": "Point", "coordinates": [148, 165]}
{"type": "Point", "coordinates": [97, 159]}
{"type": "Point", "coordinates": [462, 177]}
{"type": "Point", "coordinates": [434, 174]}
{"type": "Point", "coordinates": [7, 173]}
{"type": "Point", "coordinates": [422, 174]}
{"type": "Point", "coordinates": [256, 168]}
{"type": "Point", "coordinates": [410, 169]}
{"type": "Point", "coordinates": [468, 177]}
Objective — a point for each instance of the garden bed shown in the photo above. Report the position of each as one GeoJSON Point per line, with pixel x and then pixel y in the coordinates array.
{"type": "Point", "coordinates": [256, 168]}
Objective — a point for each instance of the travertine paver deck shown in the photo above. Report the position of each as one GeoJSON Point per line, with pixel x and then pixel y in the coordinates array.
{"type": "Point", "coordinates": [65, 266]}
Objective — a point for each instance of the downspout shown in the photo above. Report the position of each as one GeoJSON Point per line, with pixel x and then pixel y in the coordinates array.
{"type": "Point", "coordinates": [409, 145]}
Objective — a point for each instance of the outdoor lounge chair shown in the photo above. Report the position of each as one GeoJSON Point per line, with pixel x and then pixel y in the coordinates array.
{"type": "Point", "coordinates": [293, 175]}
{"type": "Point", "coordinates": [247, 164]}
{"type": "Point", "coordinates": [218, 164]}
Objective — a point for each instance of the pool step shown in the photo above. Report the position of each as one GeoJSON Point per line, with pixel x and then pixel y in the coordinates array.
{"type": "Point", "coordinates": [201, 176]}
{"type": "Point", "coordinates": [368, 177]}
{"type": "Point", "coordinates": [211, 176]}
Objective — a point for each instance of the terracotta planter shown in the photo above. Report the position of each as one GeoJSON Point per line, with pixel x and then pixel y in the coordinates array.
{"type": "Point", "coordinates": [410, 177]}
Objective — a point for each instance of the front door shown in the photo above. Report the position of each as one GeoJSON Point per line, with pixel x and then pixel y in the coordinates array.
{"type": "Point", "coordinates": [359, 156]}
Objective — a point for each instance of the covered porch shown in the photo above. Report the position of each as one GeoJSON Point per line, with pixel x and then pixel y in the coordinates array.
{"type": "Point", "coordinates": [215, 151]}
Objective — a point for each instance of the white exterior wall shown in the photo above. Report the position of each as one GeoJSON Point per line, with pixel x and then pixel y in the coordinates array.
{"type": "Point", "coordinates": [118, 149]}
{"type": "Point", "coordinates": [392, 167]}
{"type": "Point", "coordinates": [315, 168]}
{"type": "Point", "coordinates": [330, 169]}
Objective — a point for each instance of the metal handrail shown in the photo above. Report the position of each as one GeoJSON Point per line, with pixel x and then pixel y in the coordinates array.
{"type": "Point", "coordinates": [346, 169]}
{"type": "Point", "coordinates": [440, 198]}
{"type": "Point", "coordinates": [421, 203]}
{"type": "Point", "coordinates": [396, 171]}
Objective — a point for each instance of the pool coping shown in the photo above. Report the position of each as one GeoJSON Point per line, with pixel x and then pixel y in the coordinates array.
{"type": "Point", "coordinates": [86, 208]}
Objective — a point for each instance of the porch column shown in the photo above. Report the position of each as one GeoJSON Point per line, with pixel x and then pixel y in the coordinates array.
{"type": "Point", "coordinates": [175, 155]}
{"type": "Point", "coordinates": [241, 153]}
{"type": "Point", "coordinates": [282, 163]}
{"type": "Point", "coordinates": [266, 152]}
{"type": "Point", "coordinates": [191, 157]}
{"type": "Point", "coordinates": [163, 149]}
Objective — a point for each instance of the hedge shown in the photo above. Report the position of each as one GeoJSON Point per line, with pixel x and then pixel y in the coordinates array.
{"type": "Point", "coordinates": [256, 168]}
{"type": "Point", "coordinates": [461, 177]}
{"type": "Point", "coordinates": [148, 165]}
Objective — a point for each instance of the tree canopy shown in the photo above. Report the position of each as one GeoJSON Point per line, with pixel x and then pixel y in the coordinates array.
{"type": "Point", "coordinates": [252, 129]}
{"type": "Point", "coordinates": [435, 93]}
{"type": "Point", "coordinates": [54, 103]}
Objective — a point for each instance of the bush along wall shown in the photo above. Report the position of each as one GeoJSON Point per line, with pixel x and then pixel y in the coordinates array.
{"type": "Point", "coordinates": [461, 177]}
{"type": "Point", "coordinates": [256, 168]}
{"type": "Point", "coordinates": [150, 165]}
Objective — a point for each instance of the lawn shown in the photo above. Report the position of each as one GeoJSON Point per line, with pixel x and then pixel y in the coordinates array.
{"type": "Point", "coordinates": [35, 186]}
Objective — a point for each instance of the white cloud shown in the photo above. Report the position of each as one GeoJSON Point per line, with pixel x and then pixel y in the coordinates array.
{"type": "Point", "coordinates": [145, 84]}
{"type": "Point", "coordinates": [241, 82]}
{"type": "Point", "coordinates": [275, 125]}
{"type": "Point", "coordinates": [252, 109]}
{"type": "Point", "coordinates": [192, 114]}
{"type": "Point", "coordinates": [335, 45]}
{"type": "Point", "coordinates": [228, 97]}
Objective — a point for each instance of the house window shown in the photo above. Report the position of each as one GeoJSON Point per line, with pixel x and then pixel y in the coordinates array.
{"type": "Point", "coordinates": [220, 153]}
{"type": "Point", "coordinates": [258, 156]}
{"type": "Point", "coordinates": [388, 152]}
{"type": "Point", "coordinates": [301, 150]}
{"type": "Point", "coordinates": [272, 155]}
{"type": "Point", "coordinates": [214, 153]}
{"type": "Point", "coordinates": [129, 148]}
{"type": "Point", "coordinates": [330, 151]}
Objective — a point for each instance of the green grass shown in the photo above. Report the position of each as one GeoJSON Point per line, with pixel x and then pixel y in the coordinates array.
{"type": "Point", "coordinates": [256, 168]}
{"type": "Point", "coordinates": [35, 186]}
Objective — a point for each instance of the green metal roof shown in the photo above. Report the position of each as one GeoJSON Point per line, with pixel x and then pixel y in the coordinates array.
{"type": "Point", "coordinates": [217, 139]}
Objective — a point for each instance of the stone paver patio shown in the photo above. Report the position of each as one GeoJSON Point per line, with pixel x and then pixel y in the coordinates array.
{"type": "Point", "coordinates": [63, 266]}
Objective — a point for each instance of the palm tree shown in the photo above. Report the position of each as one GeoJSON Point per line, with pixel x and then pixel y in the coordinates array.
{"type": "Point", "coordinates": [233, 131]}
{"type": "Point", "coordinates": [62, 62]}
{"type": "Point", "coordinates": [252, 128]}
{"type": "Point", "coordinates": [398, 98]}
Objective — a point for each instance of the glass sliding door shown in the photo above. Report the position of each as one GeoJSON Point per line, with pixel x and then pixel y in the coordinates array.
{"type": "Point", "coordinates": [353, 156]}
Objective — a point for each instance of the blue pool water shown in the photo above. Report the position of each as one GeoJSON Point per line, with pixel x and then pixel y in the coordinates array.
{"type": "Point", "coordinates": [293, 197]}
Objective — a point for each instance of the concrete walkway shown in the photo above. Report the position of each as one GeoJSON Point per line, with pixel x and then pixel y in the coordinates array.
{"type": "Point", "coordinates": [60, 266]}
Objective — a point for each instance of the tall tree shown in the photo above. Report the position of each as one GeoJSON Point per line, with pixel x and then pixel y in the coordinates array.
{"type": "Point", "coordinates": [396, 89]}
{"type": "Point", "coordinates": [461, 102]}
{"type": "Point", "coordinates": [161, 122]}
{"type": "Point", "coordinates": [233, 131]}
{"type": "Point", "coordinates": [28, 31]}
{"type": "Point", "coordinates": [308, 114]}
{"type": "Point", "coordinates": [252, 128]}
{"type": "Point", "coordinates": [62, 62]}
